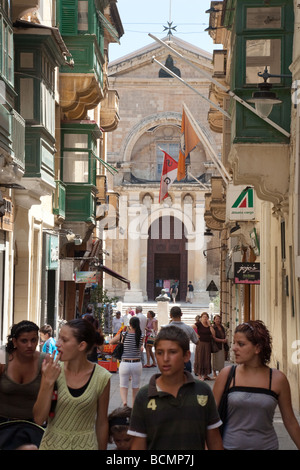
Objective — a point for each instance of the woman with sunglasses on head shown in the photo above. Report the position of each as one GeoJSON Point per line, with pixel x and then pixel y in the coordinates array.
{"type": "Point", "coordinates": [255, 390]}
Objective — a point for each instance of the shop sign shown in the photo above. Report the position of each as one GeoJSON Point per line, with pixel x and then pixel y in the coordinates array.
{"type": "Point", "coordinates": [247, 273]}
{"type": "Point", "coordinates": [240, 203]}
{"type": "Point", "coordinates": [53, 252]}
{"type": "Point", "coordinates": [86, 277]}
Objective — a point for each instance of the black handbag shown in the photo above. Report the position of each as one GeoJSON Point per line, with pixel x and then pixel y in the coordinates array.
{"type": "Point", "coordinates": [222, 408]}
{"type": "Point", "coordinates": [118, 351]}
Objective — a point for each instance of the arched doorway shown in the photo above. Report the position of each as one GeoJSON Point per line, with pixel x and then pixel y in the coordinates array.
{"type": "Point", "coordinates": [167, 256]}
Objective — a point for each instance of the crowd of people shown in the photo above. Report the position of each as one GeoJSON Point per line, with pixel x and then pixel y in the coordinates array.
{"type": "Point", "coordinates": [60, 394]}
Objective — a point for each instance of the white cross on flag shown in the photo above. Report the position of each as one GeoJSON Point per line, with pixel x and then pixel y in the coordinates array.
{"type": "Point", "coordinates": [169, 174]}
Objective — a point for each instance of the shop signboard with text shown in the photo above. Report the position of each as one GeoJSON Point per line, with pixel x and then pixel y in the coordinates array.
{"type": "Point", "coordinates": [247, 273]}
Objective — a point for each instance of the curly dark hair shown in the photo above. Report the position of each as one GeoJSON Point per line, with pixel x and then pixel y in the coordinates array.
{"type": "Point", "coordinates": [24, 326]}
{"type": "Point", "coordinates": [257, 333]}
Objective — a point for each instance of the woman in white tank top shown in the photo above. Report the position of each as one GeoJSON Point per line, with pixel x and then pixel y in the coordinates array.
{"type": "Point", "coordinates": [254, 392]}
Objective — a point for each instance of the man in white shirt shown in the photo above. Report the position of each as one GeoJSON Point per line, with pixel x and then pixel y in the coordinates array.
{"type": "Point", "coordinates": [126, 317]}
{"type": "Point", "coordinates": [176, 314]}
{"type": "Point", "coordinates": [116, 323]}
{"type": "Point", "coordinates": [142, 318]}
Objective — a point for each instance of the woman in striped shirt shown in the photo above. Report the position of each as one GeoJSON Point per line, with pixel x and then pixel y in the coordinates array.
{"type": "Point", "coordinates": [131, 365]}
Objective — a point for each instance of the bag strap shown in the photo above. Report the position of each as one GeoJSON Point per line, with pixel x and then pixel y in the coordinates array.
{"type": "Point", "coordinates": [229, 378]}
{"type": "Point", "coordinates": [123, 336]}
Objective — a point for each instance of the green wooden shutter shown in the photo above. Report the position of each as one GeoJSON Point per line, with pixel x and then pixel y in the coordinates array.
{"type": "Point", "coordinates": [68, 17]}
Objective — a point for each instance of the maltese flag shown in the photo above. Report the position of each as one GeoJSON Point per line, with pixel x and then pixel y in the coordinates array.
{"type": "Point", "coordinates": [169, 174]}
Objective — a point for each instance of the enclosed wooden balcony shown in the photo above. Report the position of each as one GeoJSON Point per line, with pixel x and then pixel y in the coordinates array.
{"type": "Point", "coordinates": [109, 117]}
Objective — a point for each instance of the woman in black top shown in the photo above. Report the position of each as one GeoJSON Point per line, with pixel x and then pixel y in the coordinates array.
{"type": "Point", "coordinates": [202, 365]}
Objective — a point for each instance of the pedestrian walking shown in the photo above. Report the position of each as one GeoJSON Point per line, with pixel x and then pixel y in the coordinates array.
{"type": "Point", "coordinates": [202, 363]}
{"type": "Point", "coordinates": [174, 292]}
{"type": "Point", "coordinates": [116, 323]}
{"type": "Point", "coordinates": [151, 332]}
{"type": "Point", "coordinates": [79, 419]}
{"type": "Point", "coordinates": [175, 410]}
{"type": "Point", "coordinates": [89, 311]}
{"type": "Point", "coordinates": [176, 314]}
{"type": "Point", "coordinates": [20, 379]}
{"type": "Point", "coordinates": [143, 323]}
{"type": "Point", "coordinates": [46, 335]}
{"type": "Point", "coordinates": [254, 392]}
{"type": "Point", "coordinates": [219, 336]}
{"type": "Point", "coordinates": [190, 292]}
{"type": "Point", "coordinates": [131, 365]}
{"type": "Point", "coordinates": [127, 317]}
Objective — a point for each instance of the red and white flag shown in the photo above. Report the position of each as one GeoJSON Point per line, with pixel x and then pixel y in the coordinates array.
{"type": "Point", "coordinates": [169, 174]}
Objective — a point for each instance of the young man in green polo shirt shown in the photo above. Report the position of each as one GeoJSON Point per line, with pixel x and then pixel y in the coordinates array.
{"type": "Point", "coordinates": [174, 411]}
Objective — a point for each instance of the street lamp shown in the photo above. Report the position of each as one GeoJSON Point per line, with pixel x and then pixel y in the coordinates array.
{"type": "Point", "coordinates": [264, 99]}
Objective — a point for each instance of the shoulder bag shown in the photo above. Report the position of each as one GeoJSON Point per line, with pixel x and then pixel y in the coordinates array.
{"type": "Point", "coordinates": [222, 408]}
{"type": "Point", "coordinates": [118, 351]}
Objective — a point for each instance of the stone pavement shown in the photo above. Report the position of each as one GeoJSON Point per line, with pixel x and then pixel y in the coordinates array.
{"type": "Point", "coordinates": [285, 442]}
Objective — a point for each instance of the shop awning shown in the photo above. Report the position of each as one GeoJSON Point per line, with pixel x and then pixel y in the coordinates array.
{"type": "Point", "coordinates": [114, 274]}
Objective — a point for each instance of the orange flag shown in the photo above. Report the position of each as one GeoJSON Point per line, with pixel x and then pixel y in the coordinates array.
{"type": "Point", "coordinates": [189, 140]}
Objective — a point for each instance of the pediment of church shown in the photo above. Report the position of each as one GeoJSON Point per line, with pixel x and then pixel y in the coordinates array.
{"type": "Point", "coordinates": [139, 64]}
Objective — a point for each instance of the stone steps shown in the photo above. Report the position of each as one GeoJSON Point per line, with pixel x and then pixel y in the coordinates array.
{"type": "Point", "coordinates": [189, 311]}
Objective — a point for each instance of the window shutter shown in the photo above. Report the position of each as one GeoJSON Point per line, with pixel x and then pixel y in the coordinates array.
{"type": "Point", "coordinates": [68, 17]}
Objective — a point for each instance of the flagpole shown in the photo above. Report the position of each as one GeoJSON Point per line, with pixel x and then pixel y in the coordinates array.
{"type": "Point", "coordinates": [214, 158]}
{"type": "Point", "coordinates": [220, 85]}
{"type": "Point", "coordinates": [224, 173]}
{"type": "Point", "coordinates": [200, 182]}
{"type": "Point", "coordinates": [189, 86]}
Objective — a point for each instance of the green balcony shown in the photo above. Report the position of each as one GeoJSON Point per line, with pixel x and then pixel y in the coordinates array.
{"type": "Point", "coordinates": [59, 203]}
{"type": "Point", "coordinates": [80, 203]}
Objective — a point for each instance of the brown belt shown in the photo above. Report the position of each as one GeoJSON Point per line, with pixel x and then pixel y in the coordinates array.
{"type": "Point", "coordinates": [131, 360]}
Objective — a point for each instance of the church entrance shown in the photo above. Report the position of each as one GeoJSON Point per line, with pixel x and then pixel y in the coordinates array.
{"type": "Point", "coordinates": [167, 257]}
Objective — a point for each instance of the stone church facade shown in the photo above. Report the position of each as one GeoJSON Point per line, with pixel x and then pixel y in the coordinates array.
{"type": "Point", "coordinates": [155, 244]}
